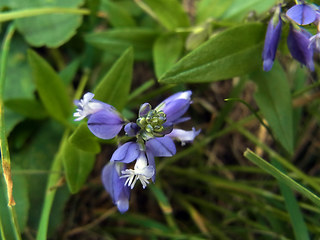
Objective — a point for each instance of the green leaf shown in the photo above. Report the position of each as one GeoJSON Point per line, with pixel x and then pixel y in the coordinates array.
{"type": "Point", "coordinates": [115, 85]}
{"type": "Point", "coordinates": [68, 73]}
{"type": "Point", "coordinates": [83, 139]}
{"type": "Point", "coordinates": [222, 57]}
{"type": "Point", "coordinates": [51, 89]}
{"type": "Point", "coordinates": [240, 9]}
{"type": "Point", "coordinates": [19, 83]}
{"type": "Point", "coordinates": [77, 165]}
{"type": "Point", "coordinates": [27, 107]}
{"type": "Point", "coordinates": [166, 51]}
{"type": "Point", "coordinates": [117, 15]}
{"type": "Point", "coordinates": [116, 41]}
{"type": "Point", "coordinates": [50, 30]}
{"type": "Point", "coordinates": [169, 13]}
{"type": "Point", "coordinates": [283, 178]}
{"type": "Point", "coordinates": [234, 10]}
{"type": "Point", "coordinates": [274, 100]}
{"type": "Point", "coordinates": [211, 8]}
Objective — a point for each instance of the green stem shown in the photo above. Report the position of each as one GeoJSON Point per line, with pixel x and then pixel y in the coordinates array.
{"type": "Point", "coordinates": [7, 16]}
{"type": "Point", "coordinates": [51, 189]}
{"type": "Point", "coordinates": [5, 154]}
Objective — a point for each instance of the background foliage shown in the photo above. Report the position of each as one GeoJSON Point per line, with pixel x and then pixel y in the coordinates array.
{"type": "Point", "coordinates": [252, 173]}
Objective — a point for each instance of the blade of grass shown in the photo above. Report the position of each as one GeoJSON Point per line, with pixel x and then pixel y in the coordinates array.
{"type": "Point", "coordinates": [298, 224]}
{"type": "Point", "coordinates": [165, 207]}
{"type": "Point", "coordinates": [5, 154]}
{"type": "Point", "coordinates": [281, 176]}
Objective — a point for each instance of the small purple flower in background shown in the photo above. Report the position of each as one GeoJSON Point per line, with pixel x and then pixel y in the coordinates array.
{"type": "Point", "coordinates": [298, 44]}
{"type": "Point", "coordinates": [154, 133]}
{"type": "Point", "coordinates": [272, 40]}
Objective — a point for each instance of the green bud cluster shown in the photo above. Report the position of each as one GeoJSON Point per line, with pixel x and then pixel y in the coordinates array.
{"type": "Point", "coordinates": [151, 124]}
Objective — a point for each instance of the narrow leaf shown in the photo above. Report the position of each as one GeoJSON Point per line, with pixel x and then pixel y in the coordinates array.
{"type": "Point", "coordinates": [117, 15]}
{"type": "Point", "coordinates": [51, 89]}
{"type": "Point", "coordinates": [77, 165]}
{"type": "Point", "coordinates": [283, 178]}
{"type": "Point", "coordinates": [166, 51]}
{"type": "Point", "coordinates": [30, 108]}
{"type": "Point", "coordinates": [274, 100]}
{"type": "Point", "coordinates": [222, 57]}
{"type": "Point", "coordinates": [116, 41]}
{"type": "Point", "coordinates": [115, 85]}
{"type": "Point", "coordinates": [169, 13]}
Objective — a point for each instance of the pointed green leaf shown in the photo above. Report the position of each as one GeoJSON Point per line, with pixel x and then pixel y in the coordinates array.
{"type": "Point", "coordinates": [222, 57]}
{"type": "Point", "coordinates": [114, 87]}
{"type": "Point", "coordinates": [274, 100]}
{"type": "Point", "coordinates": [118, 40]}
{"type": "Point", "coordinates": [50, 87]}
{"type": "Point", "coordinates": [166, 51]}
{"type": "Point", "coordinates": [83, 139]}
{"type": "Point", "coordinates": [50, 30]}
{"type": "Point", "coordinates": [77, 165]}
{"type": "Point", "coordinates": [117, 15]}
{"type": "Point", "coordinates": [211, 8]}
{"type": "Point", "coordinates": [169, 13]}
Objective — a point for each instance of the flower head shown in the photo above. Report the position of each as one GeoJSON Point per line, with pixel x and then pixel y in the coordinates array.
{"type": "Point", "coordinates": [154, 132]}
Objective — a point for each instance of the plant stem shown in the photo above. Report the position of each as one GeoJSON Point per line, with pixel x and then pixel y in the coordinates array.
{"type": "Point", "coordinates": [7, 16]}
{"type": "Point", "coordinates": [5, 154]}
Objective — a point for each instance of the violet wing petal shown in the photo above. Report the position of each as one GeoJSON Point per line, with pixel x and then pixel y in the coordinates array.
{"type": "Point", "coordinates": [114, 185]}
{"type": "Point", "coordinates": [126, 153]}
{"type": "Point", "coordinates": [298, 44]}
{"type": "Point", "coordinates": [302, 14]}
{"type": "Point", "coordinates": [105, 124]}
{"type": "Point", "coordinates": [161, 147]}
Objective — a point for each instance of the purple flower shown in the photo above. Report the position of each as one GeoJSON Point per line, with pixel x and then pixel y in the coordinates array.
{"type": "Point", "coordinates": [298, 44]}
{"type": "Point", "coordinates": [115, 186]}
{"type": "Point", "coordinates": [271, 42]}
{"type": "Point", "coordinates": [154, 135]}
{"type": "Point", "coordinates": [103, 119]}
{"type": "Point", "coordinates": [302, 14]}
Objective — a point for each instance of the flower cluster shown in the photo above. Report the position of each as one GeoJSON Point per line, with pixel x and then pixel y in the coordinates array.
{"type": "Point", "coordinates": [301, 43]}
{"type": "Point", "coordinates": [153, 134]}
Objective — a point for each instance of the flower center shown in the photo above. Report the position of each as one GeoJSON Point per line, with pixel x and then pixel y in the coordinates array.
{"type": "Point", "coordinates": [151, 124]}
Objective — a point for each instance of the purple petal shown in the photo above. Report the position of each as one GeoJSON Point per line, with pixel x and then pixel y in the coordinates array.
{"type": "Point", "coordinates": [271, 44]}
{"type": "Point", "coordinates": [126, 153]}
{"type": "Point", "coordinates": [114, 185]}
{"type": "Point", "coordinates": [105, 124]}
{"type": "Point", "coordinates": [179, 95]}
{"type": "Point", "coordinates": [161, 147]}
{"type": "Point", "coordinates": [298, 44]}
{"type": "Point", "coordinates": [302, 14]}
{"type": "Point", "coordinates": [175, 109]}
